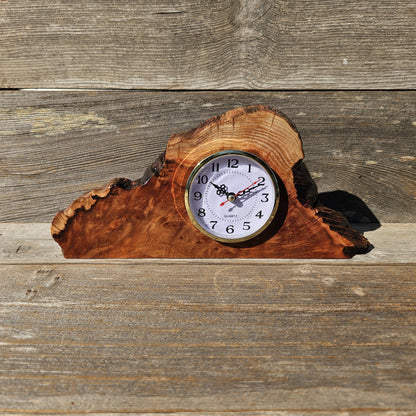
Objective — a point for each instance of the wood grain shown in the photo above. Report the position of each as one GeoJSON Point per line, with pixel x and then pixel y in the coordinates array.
{"type": "Point", "coordinates": [148, 218]}
{"type": "Point", "coordinates": [32, 243]}
{"type": "Point", "coordinates": [54, 146]}
{"type": "Point", "coordinates": [249, 44]}
{"type": "Point", "coordinates": [269, 338]}
{"type": "Point", "coordinates": [161, 337]}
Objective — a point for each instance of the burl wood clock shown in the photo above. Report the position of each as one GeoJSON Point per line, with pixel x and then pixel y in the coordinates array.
{"type": "Point", "coordinates": [235, 186]}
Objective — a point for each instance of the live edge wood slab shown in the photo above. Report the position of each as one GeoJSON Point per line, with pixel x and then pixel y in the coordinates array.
{"type": "Point", "coordinates": [148, 218]}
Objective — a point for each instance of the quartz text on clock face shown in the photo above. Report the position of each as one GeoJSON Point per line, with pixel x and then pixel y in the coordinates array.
{"type": "Point", "coordinates": [232, 196]}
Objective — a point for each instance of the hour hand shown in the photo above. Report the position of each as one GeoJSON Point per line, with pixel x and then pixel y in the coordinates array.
{"type": "Point", "coordinates": [221, 189]}
{"type": "Point", "coordinates": [232, 196]}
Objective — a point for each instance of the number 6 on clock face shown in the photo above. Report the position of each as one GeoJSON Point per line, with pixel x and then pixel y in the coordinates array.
{"type": "Point", "coordinates": [232, 196]}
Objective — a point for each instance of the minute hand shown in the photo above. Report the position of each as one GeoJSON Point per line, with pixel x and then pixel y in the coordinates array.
{"type": "Point", "coordinates": [246, 191]}
{"type": "Point", "coordinates": [242, 191]}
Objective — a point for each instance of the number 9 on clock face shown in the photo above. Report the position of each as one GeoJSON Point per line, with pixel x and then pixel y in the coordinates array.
{"type": "Point", "coordinates": [232, 196]}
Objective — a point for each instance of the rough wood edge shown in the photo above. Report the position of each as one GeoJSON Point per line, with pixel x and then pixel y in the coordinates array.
{"type": "Point", "coordinates": [86, 201]}
{"type": "Point", "coordinates": [307, 192]}
{"type": "Point", "coordinates": [228, 117]}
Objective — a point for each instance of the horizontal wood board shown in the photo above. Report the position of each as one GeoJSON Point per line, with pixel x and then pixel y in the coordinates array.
{"type": "Point", "coordinates": [161, 337]}
{"type": "Point", "coordinates": [230, 44]}
{"type": "Point", "coordinates": [55, 146]}
{"type": "Point", "coordinates": [32, 243]}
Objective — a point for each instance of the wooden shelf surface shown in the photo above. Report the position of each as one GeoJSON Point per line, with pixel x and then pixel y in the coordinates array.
{"type": "Point", "coordinates": [32, 243]}
{"type": "Point", "coordinates": [278, 337]}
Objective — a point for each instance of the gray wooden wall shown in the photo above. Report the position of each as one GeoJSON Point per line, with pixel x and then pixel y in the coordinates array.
{"type": "Point", "coordinates": [121, 77]}
{"type": "Point", "coordinates": [91, 90]}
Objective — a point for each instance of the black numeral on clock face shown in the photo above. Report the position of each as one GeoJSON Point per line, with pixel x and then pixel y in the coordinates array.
{"type": "Point", "coordinates": [232, 163]}
{"type": "Point", "coordinates": [230, 229]}
{"type": "Point", "coordinates": [259, 214]}
{"type": "Point", "coordinates": [215, 167]}
{"type": "Point", "coordinates": [265, 197]}
{"type": "Point", "coordinates": [202, 179]}
{"type": "Point", "coordinates": [201, 212]}
{"type": "Point", "coordinates": [197, 196]}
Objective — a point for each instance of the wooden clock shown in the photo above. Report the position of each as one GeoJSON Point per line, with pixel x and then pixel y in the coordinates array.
{"type": "Point", "coordinates": [234, 187]}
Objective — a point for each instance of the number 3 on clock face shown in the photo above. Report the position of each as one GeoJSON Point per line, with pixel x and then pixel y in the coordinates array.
{"type": "Point", "coordinates": [232, 196]}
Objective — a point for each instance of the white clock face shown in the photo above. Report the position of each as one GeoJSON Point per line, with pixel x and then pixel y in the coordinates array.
{"type": "Point", "coordinates": [232, 196]}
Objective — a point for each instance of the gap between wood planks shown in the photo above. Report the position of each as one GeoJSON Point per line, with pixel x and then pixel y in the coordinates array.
{"type": "Point", "coordinates": [210, 90]}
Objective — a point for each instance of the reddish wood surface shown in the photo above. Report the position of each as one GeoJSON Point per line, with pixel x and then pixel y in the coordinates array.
{"type": "Point", "coordinates": [147, 218]}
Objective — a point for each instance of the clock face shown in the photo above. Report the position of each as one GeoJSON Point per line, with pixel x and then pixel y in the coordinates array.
{"type": "Point", "coordinates": [232, 196]}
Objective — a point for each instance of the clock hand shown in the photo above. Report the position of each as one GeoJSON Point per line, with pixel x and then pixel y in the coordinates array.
{"type": "Point", "coordinates": [231, 197]}
{"type": "Point", "coordinates": [221, 189]}
{"type": "Point", "coordinates": [246, 191]}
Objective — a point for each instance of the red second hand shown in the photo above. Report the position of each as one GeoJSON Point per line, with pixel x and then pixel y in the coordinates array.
{"type": "Point", "coordinates": [238, 193]}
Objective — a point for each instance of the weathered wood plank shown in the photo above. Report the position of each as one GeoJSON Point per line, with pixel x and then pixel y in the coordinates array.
{"type": "Point", "coordinates": [55, 146]}
{"type": "Point", "coordinates": [32, 243]}
{"type": "Point", "coordinates": [355, 412]}
{"type": "Point", "coordinates": [361, 412]}
{"type": "Point", "coordinates": [208, 44]}
{"type": "Point", "coordinates": [163, 337]}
